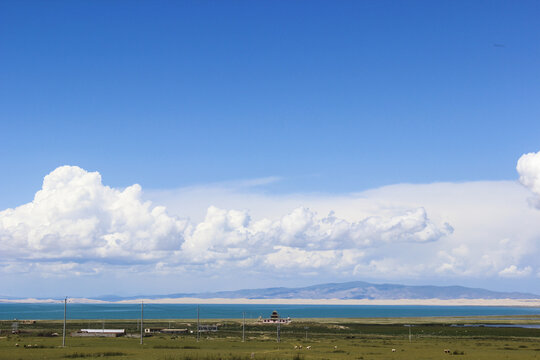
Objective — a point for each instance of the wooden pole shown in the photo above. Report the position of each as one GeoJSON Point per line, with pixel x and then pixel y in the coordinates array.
{"type": "Point", "coordinates": [64, 332]}
{"type": "Point", "coordinates": [198, 324]}
{"type": "Point", "coordinates": [243, 327]}
{"type": "Point", "coordinates": [142, 317]}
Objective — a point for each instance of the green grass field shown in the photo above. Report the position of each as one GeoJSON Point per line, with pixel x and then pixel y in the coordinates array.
{"type": "Point", "coordinates": [329, 339]}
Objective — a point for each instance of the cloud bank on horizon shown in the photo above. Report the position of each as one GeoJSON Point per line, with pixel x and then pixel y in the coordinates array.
{"type": "Point", "coordinates": [76, 224]}
{"type": "Point", "coordinates": [75, 219]}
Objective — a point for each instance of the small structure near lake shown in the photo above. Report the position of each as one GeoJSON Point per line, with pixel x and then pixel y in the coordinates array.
{"type": "Point", "coordinates": [99, 332]}
{"type": "Point", "coordinates": [275, 319]}
{"type": "Point", "coordinates": [165, 331]}
{"type": "Point", "coordinates": [206, 328]}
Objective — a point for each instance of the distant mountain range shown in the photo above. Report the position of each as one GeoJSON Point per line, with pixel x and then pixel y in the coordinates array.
{"type": "Point", "coordinates": [346, 291]}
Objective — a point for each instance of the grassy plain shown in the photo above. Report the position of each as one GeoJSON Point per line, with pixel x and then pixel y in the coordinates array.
{"type": "Point", "coordinates": [330, 339]}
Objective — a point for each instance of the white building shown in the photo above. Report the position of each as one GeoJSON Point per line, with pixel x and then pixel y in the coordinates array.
{"type": "Point", "coordinates": [275, 319]}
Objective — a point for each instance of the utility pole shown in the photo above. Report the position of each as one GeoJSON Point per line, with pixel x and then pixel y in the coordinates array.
{"type": "Point", "coordinates": [409, 333]}
{"type": "Point", "coordinates": [306, 328]}
{"type": "Point", "coordinates": [243, 326]}
{"type": "Point", "coordinates": [142, 317]}
{"type": "Point", "coordinates": [198, 324]}
{"type": "Point", "coordinates": [278, 332]}
{"type": "Point", "coordinates": [64, 332]}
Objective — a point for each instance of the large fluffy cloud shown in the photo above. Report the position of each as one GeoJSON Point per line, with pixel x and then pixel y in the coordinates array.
{"type": "Point", "coordinates": [302, 234]}
{"type": "Point", "coordinates": [74, 216]}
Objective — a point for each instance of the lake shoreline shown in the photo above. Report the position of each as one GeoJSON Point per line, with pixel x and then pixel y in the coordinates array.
{"type": "Point", "coordinates": [334, 302]}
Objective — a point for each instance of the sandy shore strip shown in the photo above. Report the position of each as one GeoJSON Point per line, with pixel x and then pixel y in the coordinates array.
{"type": "Point", "coordinates": [243, 301]}
{"type": "Point", "coordinates": [432, 302]}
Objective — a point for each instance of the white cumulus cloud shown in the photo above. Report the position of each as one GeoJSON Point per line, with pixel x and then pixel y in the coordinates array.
{"type": "Point", "coordinates": [514, 271]}
{"type": "Point", "coordinates": [528, 167]}
{"type": "Point", "coordinates": [302, 238]}
{"type": "Point", "coordinates": [74, 216]}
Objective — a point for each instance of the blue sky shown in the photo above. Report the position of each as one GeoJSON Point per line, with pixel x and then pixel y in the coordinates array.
{"type": "Point", "coordinates": [333, 97]}
{"type": "Point", "coordinates": [329, 98]}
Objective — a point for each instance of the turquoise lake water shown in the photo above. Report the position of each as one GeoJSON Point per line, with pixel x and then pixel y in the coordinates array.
{"type": "Point", "coordinates": [216, 311]}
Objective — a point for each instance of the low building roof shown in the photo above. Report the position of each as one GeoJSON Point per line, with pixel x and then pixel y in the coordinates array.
{"type": "Point", "coordinates": [110, 331]}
